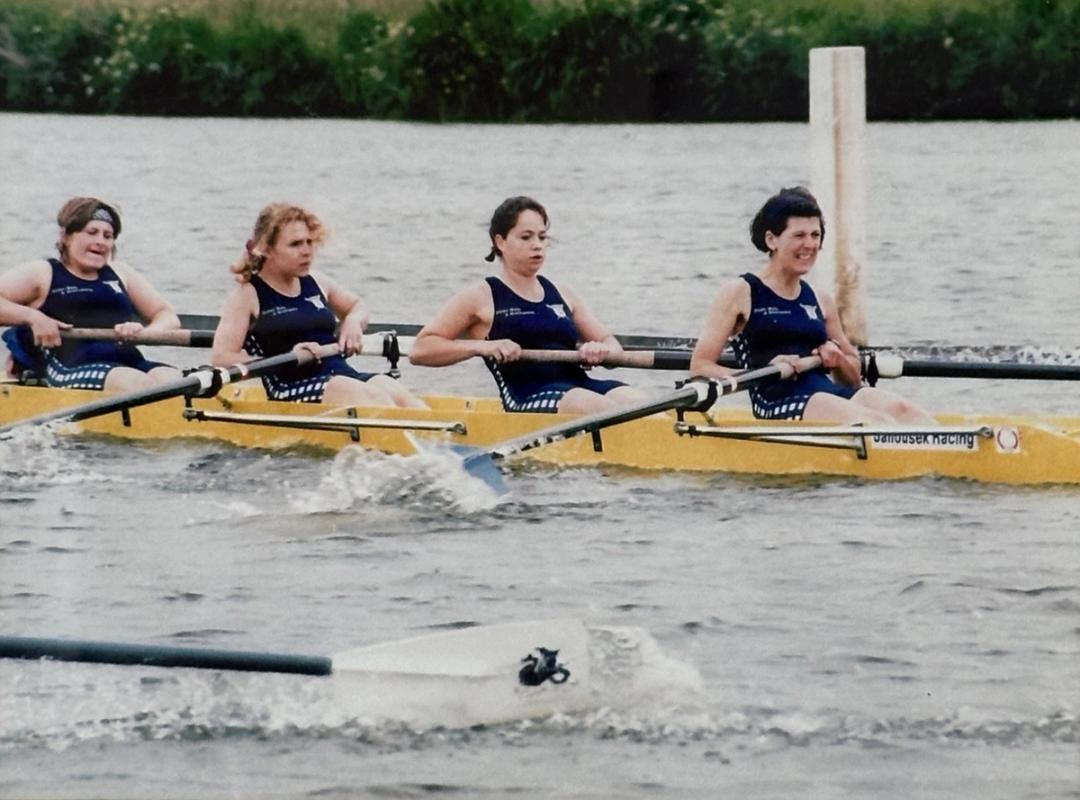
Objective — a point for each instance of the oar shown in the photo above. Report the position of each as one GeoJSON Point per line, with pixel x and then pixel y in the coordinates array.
{"type": "Point", "coordinates": [474, 675]}
{"type": "Point", "coordinates": [694, 394]}
{"type": "Point", "coordinates": [888, 365]}
{"type": "Point", "coordinates": [179, 337]}
{"type": "Point", "coordinates": [196, 337]}
{"type": "Point", "coordinates": [206, 380]}
{"type": "Point", "coordinates": [639, 359]}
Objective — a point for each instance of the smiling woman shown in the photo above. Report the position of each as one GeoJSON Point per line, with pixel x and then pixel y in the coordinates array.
{"type": "Point", "coordinates": [281, 304]}
{"type": "Point", "coordinates": [84, 287]}
{"type": "Point", "coordinates": [774, 317]}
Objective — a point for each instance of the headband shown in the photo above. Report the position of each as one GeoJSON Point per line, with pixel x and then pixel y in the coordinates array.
{"type": "Point", "coordinates": [103, 214]}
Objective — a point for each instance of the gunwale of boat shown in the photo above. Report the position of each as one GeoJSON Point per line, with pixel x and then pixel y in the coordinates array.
{"type": "Point", "coordinates": [1047, 448]}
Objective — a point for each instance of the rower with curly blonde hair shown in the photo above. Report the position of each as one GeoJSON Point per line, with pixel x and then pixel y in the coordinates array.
{"type": "Point", "coordinates": [282, 304]}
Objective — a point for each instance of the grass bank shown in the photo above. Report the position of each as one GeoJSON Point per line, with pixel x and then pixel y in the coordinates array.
{"type": "Point", "coordinates": [535, 60]}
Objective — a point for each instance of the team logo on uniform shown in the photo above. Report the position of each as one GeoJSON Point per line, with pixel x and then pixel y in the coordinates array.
{"type": "Point", "coordinates": [558, 309]}
{"type": "Point", "coordinates": [811, 311]}
{"type": "Point", "coordinates": [115, 286]}
{"type": "Point", "coordinates": [316, 301]}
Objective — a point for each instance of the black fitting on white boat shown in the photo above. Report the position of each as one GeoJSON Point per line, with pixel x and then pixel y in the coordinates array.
{"type": "Point", "coordinates": [542, 665]}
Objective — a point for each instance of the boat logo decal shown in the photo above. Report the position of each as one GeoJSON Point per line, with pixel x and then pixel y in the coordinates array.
{"type": "Point", "coordinates": [316, 301]}
{"type": "Point", "coordinates": [542, 665]}
{"type": "Point", "coordinates": [1007, 440]}
{"type": "Point", "coordinates": [811, 310]}
{"type": "Point", "coordinates": [927, 440]}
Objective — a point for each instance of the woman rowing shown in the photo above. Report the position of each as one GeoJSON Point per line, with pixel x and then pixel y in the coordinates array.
{"type": "Point", "coordinates": [84, 287]}
{"type": "Point", "coordinates": [774, 316]}
{"type": "Point", "coordinates": [281, 304]}
{"type": "Point", "coordinates": [520, 309]}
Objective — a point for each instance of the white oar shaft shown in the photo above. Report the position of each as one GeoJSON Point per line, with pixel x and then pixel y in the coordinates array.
{"type": "Point", "coordinates": [781, 371]}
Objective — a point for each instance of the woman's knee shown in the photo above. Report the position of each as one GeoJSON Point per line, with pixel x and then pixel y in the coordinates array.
{"type": "Point", "coordinates": [344, 390]}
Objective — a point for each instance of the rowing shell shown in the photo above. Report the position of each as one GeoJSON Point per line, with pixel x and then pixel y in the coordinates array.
{"type": "Point", "coordinates": [999, 449]}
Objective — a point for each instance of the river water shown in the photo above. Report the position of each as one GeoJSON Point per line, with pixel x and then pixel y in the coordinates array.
{"type": "Point", "coordinates": [806, 638]}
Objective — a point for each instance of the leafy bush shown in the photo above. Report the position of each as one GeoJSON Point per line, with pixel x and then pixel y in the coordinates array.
{"type": "Point", "coordinates": [587, 62]}
{"type": "Point", "coordinates": [455, 56]}
{"type": "Point", "coordinates": [366, 67]}
{"type": "Point", "coordinates": [538, 60]}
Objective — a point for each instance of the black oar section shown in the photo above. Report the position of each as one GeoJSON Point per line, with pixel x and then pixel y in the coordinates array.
{"type": "Point", "coordinates": [204, 381]}
{"type": "Point", "coordinates": [887, 365]}
{"type": "Point", "coordinates": [161, 656]}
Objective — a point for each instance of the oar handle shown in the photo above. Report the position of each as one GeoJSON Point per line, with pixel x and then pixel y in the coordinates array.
{"type": "Point", "coordinates": [177, 337]}
{"type": "Point", "coordinates": [192, 337]}
{"type": "Point", "coordinates": [638, 359]}
{"type": "Point", "coordinates": [644, 359]}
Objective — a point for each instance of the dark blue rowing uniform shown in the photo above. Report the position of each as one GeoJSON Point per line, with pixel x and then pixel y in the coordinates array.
{"type": "Point", "coordinates": [780, 326]}
{"type": "Point", "coordinates": [285, 322]}
{"type": "Point", "coordinates": [544, 325]}
{"type": "Point", "coordinates": [79, 364]}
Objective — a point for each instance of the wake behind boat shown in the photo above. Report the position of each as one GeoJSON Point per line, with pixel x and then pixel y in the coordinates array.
{"type": "Point", "coordinates": [1019, 450]}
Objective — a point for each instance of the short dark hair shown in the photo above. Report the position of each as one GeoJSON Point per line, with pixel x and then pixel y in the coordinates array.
{"type": "Point", "coordinates": [778, 209]}
{"type": "Point", "coordinates": [506, 217]}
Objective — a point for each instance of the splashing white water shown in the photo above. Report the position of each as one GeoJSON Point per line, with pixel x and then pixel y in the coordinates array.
{"type": "Point", "coordinates": [429, 480]}
{"type": "Point", "coordinates": [35, 456]}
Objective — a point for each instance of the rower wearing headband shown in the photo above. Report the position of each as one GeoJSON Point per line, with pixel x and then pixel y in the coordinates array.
{"type": "Point", "coordinates": [85, 287]}
{"type": "Point", "coordinates": [774, 316]}
{"type": "Point", "coordinates": [520, 309]}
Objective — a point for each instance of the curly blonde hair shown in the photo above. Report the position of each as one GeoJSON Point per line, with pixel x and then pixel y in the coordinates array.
{"type": "Point", "coordinates": [268, 227]}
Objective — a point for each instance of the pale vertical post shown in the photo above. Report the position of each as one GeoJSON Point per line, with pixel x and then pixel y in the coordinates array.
{"type": "Point", "coordinates": [838, 133]}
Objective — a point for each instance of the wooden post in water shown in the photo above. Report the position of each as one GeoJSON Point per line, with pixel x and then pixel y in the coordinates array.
{"type": "Point", "coordinates": [838, 131]}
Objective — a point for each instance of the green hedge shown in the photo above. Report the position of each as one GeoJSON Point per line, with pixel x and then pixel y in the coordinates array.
{"type": "Point", "coordinates": [525, 60]}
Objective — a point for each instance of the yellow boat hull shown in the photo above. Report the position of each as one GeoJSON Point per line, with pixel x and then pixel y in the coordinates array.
{"type": "Point", "coordinates": [1010, 450]}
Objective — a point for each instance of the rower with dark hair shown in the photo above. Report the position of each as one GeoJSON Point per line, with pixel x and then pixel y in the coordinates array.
{"type": "Point", "coordinates": [774, 316]}
{"type": "Point", "coordinates": [84, 287]}
{"type": "Point", "coordinates": [520, 309]}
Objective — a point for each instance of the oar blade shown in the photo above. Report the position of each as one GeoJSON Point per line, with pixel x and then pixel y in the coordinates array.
{"type": "Point", "coordinates": [480, 465]}
{"type": "Point", "coordinates": [474, 651]}
{"type": "Point", "coordinates": [471, 676]}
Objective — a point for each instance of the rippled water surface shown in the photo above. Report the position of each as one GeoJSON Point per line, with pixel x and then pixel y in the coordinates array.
{"type": "Point", "coordinates": [799, 638]}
